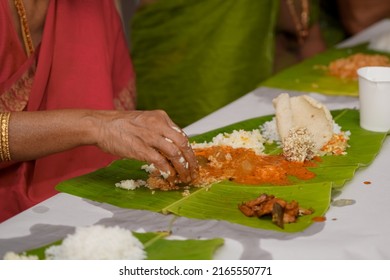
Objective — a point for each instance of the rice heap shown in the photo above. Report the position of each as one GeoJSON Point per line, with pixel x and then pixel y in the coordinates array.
{"type": "Point", "coordinates": [237, 139]}
{"type": "Point", "coordinates": [94, 243]}
{"type": "Point", "coordinates": [23, 256]}
{"type": "Point", "coordinates": [98, 243]}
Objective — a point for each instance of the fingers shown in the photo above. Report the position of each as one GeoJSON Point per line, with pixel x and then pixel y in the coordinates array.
{"type": "Point", "coordinates": [174, 158]}
{"type": "Point", "coordinates": [177, 159]}
{"type": "Point", "coordinates": [183, 157]}
{"type": "Point", "coordinates": [162, 165]}
{"type": "Point", "coordinates": [151, 136]}
{"type": "Point", "coordinates": [184, 145]}
{"type": "Point", "coordinates": [176, 148]}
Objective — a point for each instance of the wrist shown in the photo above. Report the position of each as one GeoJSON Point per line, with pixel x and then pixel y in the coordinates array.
{"type": "Point", "coordinates": [91, 126]}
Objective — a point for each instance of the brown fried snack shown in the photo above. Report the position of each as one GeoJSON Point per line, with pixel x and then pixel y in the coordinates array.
{"type": "Point", "coordinates": [281, 211]}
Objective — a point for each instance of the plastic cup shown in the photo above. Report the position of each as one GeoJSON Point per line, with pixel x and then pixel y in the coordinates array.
{"type": "Point", "coordinates": [374, 98]}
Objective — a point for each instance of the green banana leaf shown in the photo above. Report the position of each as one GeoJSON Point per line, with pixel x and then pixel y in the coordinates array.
{"type": "Point", "coordinates": [193, 57]}
{"type": "Point", "coordinates": [221, 200]}
{"type": "Point", "coordinates": [158, 247]}
{"type": "Point", "coordinates": [310, 75]}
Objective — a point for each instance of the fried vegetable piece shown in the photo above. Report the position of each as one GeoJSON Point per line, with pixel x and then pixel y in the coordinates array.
{"type": "Point", "coordinates": [281, 211]}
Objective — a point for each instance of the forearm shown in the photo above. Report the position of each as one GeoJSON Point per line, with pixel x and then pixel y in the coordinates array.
{"type": "Point", "coordinates": [37, 134]}
{"type": "Point", "coordinates": [357, 15]}
{"type": "Point", "coordinates": [149, 136]}
{"type": "Point", "coordinates": [314, 42]}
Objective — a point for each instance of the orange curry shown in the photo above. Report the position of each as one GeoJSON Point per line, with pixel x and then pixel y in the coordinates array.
{"type": "Point", "coordinates": [244, 166]}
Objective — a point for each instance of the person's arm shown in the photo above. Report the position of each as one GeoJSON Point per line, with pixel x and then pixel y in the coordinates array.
{"type": "Point", "coordinates": [314, 42]}
{"type": "Point", "coordinates": [357, 15]}
{"type": "Point", "coordinates": [143, 135]}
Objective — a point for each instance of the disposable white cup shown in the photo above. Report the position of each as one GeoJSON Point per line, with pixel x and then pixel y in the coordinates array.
{"type": "Point", "coordinates": [374, 98]}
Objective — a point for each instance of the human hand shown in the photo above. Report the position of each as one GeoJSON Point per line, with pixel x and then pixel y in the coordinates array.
{"type": "Point", "coordinates": [149, 136]}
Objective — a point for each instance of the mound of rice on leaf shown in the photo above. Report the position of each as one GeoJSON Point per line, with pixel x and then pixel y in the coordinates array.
{"type": "Point", "coordinates": [236, 139]}
{"type": "Point", "coordinates": [93, 243]}
{"type": "Point", "coordinates": [21, 257]}
{"type": "Point", "coordinates": [98, 243]}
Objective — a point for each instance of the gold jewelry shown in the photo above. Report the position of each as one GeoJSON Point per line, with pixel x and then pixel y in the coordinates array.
{"type": "Point", "coordinates": [28, 43]}
{"type": "Point", "coordinates": [301, 23]}
{"type": "Point", "coordinates": [5, 154]}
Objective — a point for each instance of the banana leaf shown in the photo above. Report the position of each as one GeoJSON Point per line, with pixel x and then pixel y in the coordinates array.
{"type": "Point", "coordinates": [193, 57]}
{"type": "Point", "coordinates": [220, 201]}
{"type": "Point", "coordinates": [311, 76]}
{"type": "Point", "coordinates": [157, 247]}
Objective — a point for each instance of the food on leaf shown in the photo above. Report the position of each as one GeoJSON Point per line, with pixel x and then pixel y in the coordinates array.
{"type": "Point", "coordinates": [240, 165]}
{"type": "Point", "coordinates": [302, 122]}
{"type": "Point", "coordinates": [96, 242]}
{"type": "Point", "coordinates": [303, 129]}
{"type": "Point", "coordinates": [281, 211]}
{"type": "Point", "coordinates": [346, 68]}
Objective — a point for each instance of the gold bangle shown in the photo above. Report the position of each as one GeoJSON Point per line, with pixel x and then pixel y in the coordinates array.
{"type": "Point", "coordinates": [5, 154]}
{"type": "Point", "coordinates": [1, 137]}
{"type": "Point", "coordinates": [1, 145]}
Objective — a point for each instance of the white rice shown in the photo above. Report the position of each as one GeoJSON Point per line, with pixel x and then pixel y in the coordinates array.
{"type": "Point", "coordinates": [338, 130]}
{"type": "Point", "coordinates": [130, 184]}
{"type": "Point", "coordinates": [98, 243]}
{"type": "Point", "coordinates": [269, 131]}
{"type": "Point", "coordinates": [23, 256]}
{"type": "Point", "coordinates": [92, 243]}
{"type": "Point", "coordinates": [149, 168]}
{"type": "Point", "coordinates": [237, 139]}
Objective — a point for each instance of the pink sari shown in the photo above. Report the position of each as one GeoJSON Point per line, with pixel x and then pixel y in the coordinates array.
{"type": "Point", "coordinates": [82, 62]}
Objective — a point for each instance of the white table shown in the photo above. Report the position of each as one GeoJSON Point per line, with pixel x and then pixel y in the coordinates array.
{"type": "Point", "coordinates": [358, 231]}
